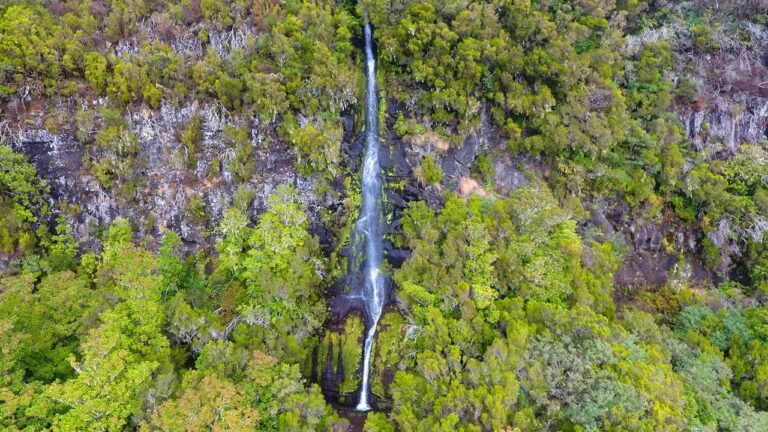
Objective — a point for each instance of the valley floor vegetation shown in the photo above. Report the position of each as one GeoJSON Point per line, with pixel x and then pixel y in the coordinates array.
{"type": "Point", "coordinates": [506, 313]}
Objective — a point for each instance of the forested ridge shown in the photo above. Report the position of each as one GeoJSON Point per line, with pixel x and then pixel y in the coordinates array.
{"type": "Point", "coordinates": [576, 200]}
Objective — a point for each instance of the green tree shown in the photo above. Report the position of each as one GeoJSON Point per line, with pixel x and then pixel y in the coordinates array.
{"type": "Point", "coordinates": [27, 46]}
{"type": "Point", "coordinates": [126, 351]}
{"type": "Point", "coordinates": [96, 71]}
{"type": "Point", "coordinates": [207, 402]}
{"type": "Point", "coordinates": [22, 201]}
{"type": "Point", "coordinates": [280, 264]}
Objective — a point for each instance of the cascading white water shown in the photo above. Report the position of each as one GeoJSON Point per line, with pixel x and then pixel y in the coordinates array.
{"type": "Point", "coordinates": [369, 224]}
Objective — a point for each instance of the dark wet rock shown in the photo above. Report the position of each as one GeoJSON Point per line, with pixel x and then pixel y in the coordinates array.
{"type": "Point", "coordinates": [348, 123]}
{"type": "Point", "coordinates": [396, 257]}
{"type": "Point", "coordinates": [466, 154]}
{"type": "Point", "coordinates": [645, 269]}
{"type": "Point", "coordinates": [508, 177]}
{"type": "Point", "coordinates": [597, 219]}
{"type": "Point", "coordinates": [453, 169]}
{"type": "Point", "coordinates": [395, 199]}
{"type": "Point", "coordinates": [356, 153]}
{"type": "Point", "coordinates": [338, 359]}
{"type": "Point", "coordinates": [648, 237]}
{"type": "Point", "coordinates": [346, 251]}
{"type": "Point", "coordinates": [386, 159]}
{"type": "Point", "coordinates": [54, 156]}
{"type": "Point", "coordinates": [433, 196]}
{"type": "Point", "coordinates": [323, 234]}
{"type": "Point", "coordinates": [456, 163]}
{"type": "Point", "coordinates": [396, 225]}
{"type": "Point", "coordinates": [394, 158]}
{"type": "Point", "coordinates": [648, 260]}
{"type": "Point", "coordinates": [411, 193]}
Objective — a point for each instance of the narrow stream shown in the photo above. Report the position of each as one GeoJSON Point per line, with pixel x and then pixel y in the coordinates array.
{"type": "Point", "coordinates": [369, 224]}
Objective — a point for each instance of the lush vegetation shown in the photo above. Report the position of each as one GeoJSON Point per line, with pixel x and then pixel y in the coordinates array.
{"type": "Point", "coordinates": [509, 321]}
{"type": "Point", "coordinates": [121, 339]}
{"type": "Point", "coordinates": [21, 202]}
{"type": "Point", "coordinates": [506, 314]}
{"type": "Point", "coordinates": [293, 68]}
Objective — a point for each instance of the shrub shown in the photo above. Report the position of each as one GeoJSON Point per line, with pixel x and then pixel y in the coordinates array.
{"type": "Point", "coordinates": [430, 172]}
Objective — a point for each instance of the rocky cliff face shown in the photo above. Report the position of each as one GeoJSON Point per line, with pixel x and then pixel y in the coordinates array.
{"type": "Point", "coordinates": [166, 186]}
{"type": "Point", "coordinates": [722, 105]}
{"type": "Point", "coordinates": [722, 82]}
{"type": "Point", "coordinates": [729, 113]}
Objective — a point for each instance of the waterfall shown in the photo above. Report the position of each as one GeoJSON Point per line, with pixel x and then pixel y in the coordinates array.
{"type": "Point", "coordinates": [369, 224]}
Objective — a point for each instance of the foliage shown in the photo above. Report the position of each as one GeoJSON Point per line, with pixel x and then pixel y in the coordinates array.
{"type": "Point", "coordinates": [429, 172]}
{"type": "Point", "coordinates": [280, 266]}
{"type": "Point", "coordinates": [22, 201]}
{"type": "Point", "coordinates": [43, 324]}
{"type": "Point", "coordinates": [505, 315]}
{"type": "Point", "coordinates": [485, 169]}
{"type": "Point", "coordinates": [28, 45]}
{"type": "Point", "coordinates": [242, 164]}
{"type": "Point", "coordinates": [116, 151]}
{"type": "Point", "coordinates": [125, 352]}
{"type": "Point", "coordinates": [546, 326]}
{"type": "Point", "coordinates": [105, 346]}
{"type": "Point", "coordinates": [298, 64]}
{"type": "Point", "coordinates": [317, 143]}
{"type": "Point", "coordinates": [192, 139]}
{"type": "Point", "coordinates": [206, 403]}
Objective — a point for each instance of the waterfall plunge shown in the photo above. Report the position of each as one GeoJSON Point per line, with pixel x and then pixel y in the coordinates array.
{"type": "Point", "coordinates": [369, 224]}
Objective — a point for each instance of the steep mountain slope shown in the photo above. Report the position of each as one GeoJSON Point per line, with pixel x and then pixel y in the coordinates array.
{"type": "Point", "coordinates": [576, 199]}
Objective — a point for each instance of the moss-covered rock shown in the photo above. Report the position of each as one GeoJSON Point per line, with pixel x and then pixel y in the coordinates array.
{"type": "Point", "coordinates": [339, 357]}
{"type": "Point", "coordinates": [388, 352]}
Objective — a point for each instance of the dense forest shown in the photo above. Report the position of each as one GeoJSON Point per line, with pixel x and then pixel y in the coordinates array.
{"type": "Point", "coordinates": [575, 216]}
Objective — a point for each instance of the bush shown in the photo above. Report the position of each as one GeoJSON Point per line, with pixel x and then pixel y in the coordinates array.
{"type": "Point", "coordinates": [22, 201]}
{"type": "Point", "coordinates": [430, 172]}
{"type": "Point", "coordinates": [196, 209]}
{"type": "Point", "coordinates": [242, 164]}
{"type": "Point", "coordinates": [485, 169]}
{"type": "Point", "coordinates": [117, 150]}
{"type": "Point", "coordinates": [702, 36]}
{"type": "Point", "coordinates": [192, 138]}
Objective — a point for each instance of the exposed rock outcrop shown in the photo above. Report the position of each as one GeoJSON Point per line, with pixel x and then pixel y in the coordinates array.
{"type": "Point", "coordinates": [166, 185]}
